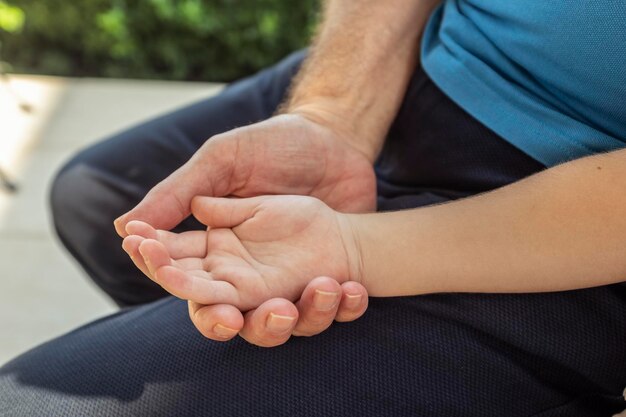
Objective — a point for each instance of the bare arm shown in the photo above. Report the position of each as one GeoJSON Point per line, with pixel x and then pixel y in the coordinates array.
{"type": "Point", "coordinates": [564, 228]}
{"type": "Point", "coordinates": [359, 67]}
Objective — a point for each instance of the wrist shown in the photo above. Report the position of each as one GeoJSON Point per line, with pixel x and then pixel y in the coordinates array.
{"type": "Point", "coordinates": [335, 116]}
{"type": "Point", "coordinates": [386, 245]}
{"type": "Point", "coordinates": [352, 245]}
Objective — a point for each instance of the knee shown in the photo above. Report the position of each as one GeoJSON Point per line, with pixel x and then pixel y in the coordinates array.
{"type": "Point", "coordinates": [60, 197]}
{"type": "Point", "coordinates": [83, 199]}
{"type": "Point", "coordinates": [65, 197]}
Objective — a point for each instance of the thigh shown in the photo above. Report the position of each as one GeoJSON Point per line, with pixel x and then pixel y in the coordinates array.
{"type": "Point", "coordinates": [443, 355]}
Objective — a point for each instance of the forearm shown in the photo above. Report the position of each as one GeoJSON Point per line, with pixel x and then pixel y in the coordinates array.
{"type": "Point", "coordinates": [359, 66]}
{"type": "Point", "coordinates": [561, 229]}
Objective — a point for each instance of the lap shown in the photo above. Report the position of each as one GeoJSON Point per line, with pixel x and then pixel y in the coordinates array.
{"type": "Point", "coordinates": [444, 355]}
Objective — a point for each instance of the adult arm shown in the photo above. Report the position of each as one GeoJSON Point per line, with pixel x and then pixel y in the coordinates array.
{"type": "Point", "coordinates": [359, 66]}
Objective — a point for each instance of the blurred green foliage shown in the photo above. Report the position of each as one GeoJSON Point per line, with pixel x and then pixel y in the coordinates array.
{"type": "Point", "coordinates": [11, 17]}
{"type": "Point", "coordinates": [212, 40]}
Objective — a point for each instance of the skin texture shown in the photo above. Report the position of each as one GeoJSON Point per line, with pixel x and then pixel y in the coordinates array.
{"type": "Point", "coordinates": [561, 229]}
{"type": "Point", "coordinates": [323, 145]}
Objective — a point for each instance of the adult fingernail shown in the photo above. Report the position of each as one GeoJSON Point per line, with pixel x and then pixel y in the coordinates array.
{"type": "Point", "coordinates": [278, 323]}
{"type": "Point", "coordinates": [353, 301]}
{"type": "Point", "coordinates": [324, 300]}
{"type": "Point", "coordinates": [223, 331]}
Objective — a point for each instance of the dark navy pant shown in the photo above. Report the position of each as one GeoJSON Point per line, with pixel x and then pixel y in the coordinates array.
{"type": "Point", "coordinates": [557, 354]}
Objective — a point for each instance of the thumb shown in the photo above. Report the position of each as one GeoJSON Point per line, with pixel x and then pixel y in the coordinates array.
{"type": "Point", "coordinates": [168, 203]}
{"type": "Point", "coordinates": [224, 212]}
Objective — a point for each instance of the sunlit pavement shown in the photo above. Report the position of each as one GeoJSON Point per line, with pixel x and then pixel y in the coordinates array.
{"type": "Point", "coordinates": [42, 292]}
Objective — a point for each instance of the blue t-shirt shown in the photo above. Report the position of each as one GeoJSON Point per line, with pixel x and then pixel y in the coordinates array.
{"type": "Point", "coordinates": [549, 76]}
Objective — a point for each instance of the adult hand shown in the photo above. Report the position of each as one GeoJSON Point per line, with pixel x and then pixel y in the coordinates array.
{"type": "Point", "coordinates": [286, 154]}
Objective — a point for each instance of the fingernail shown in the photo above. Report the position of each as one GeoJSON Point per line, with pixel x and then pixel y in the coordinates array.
{"type": "Point", "coordinates": [145, 259]}
{"type": "Point", "coordinates": [278, 323]}
{"type": "Point", "coordinates": [353, 300]}
{"type": "Point", "coordinates": [223, 331]}
{"type": "Point", "coordinates": [118, 227]}
{"type": "Point", "coordinates": [324, 300]}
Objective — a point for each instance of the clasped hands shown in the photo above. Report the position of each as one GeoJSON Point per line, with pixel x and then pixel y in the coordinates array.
{"type": "Point", "coordinates": [278, 256]}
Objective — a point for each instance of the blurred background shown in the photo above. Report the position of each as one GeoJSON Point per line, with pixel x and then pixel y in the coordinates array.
{"type": "Point", "coordinates": [194, 40]}
{"type": "Point", "coordinates": [72, 73]}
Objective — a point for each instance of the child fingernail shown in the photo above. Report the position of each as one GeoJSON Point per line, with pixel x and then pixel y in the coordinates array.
{"type": "Point", "coordinates": [223, 331]}
{"type": "Point", "coordinates": [353, 301]}
{"type": "Point", "coordinates": [143, 254]}
{"type": "Point", "coordinates": [325, 300]}
{"type": "Point", "coordinates": [146, 260]}
{"type": "Point", "coordinates": [278, 323]}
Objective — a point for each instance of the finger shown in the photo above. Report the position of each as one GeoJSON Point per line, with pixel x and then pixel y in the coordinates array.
{"type": "Point", "coordinates": [353, 302]}
{"type": "Point", "coordinates": [130, 244]}
{"type": "Point", "coordinates": [224, 212]}
{"type": "Point", "coordinates": [218, 322]}
{"type": "Point", "coordinates": [168, 203]}
{"type": "Point", "coordinates": [154, 255]}
{"type": "Point", "coordinates": [139, 228]}
{"type": "Point", "coordinates": [271, 323]}
{"type": "Point", "coordinates": [318, 306]}
{"type": "Point", "coordinates": [165, 206]}
{"type": "Point", "coordinates": [191, 244]}
{"type": "Point", "coordinates": [202, 290]}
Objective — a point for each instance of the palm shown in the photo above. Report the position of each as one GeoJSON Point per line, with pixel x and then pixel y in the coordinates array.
{"type": "Point", "coordinates": [275, 247]}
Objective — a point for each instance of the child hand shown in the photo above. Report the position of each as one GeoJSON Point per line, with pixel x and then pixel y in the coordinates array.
{"type": "Point", "coordinates": [254, 249]}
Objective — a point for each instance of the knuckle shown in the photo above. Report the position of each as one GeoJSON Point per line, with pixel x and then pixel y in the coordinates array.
{"type": "Point", "coordinates": [308, 328]}
{"type": "Point", "coordinates": [298, 333]}
{"type": "Point", "coordinates": [263, 341]}
{"type": "Point", "coordinates": [348, 315]}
